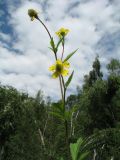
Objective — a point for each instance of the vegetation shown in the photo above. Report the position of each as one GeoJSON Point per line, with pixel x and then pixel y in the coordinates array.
{"type": "Point", "coordinates": [28, 130]}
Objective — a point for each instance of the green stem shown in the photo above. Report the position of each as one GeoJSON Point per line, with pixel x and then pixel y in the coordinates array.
{"type": "Point", "coordinates": [64, 92]}
{"type": "Point", "coordinates": [45, 27]}
{"type": "Point", "coordinates": [54, 53]}
{"type": "Point", "coordinates": [61, 88]}
{"type": "Point", "coordinates": [63, 49]}
{"type": "Point", "coordinates": [66, 122]}
{"type": "Point", "coordinates": [62, 84]}
{"type": "Point", "coordinates": [47, 32]}
{"type": "Point", "coordinates": [66, 131]}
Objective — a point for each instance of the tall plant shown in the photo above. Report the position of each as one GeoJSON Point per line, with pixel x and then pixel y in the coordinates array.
{"type": "Point", "coordinates": [60, 69]}
{"type": "Point", "coordinates": [61, 66]}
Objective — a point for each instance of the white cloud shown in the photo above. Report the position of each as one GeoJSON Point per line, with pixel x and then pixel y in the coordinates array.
{"type": "Point", "coordinates": [28, 70]}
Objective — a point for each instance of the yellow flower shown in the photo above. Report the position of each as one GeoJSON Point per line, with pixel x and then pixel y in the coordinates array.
{"type": "Point", "coordinates": [59, 68]}
{"type": "Point", "coordinates": [62, 32]}
{"type": "Point", "coordinates": [33, 14]}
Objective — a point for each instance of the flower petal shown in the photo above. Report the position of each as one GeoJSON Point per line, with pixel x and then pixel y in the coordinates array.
{"type": "Point", "coordinates": [66, 31]}
{"type": "Point", "coordinates": [65, 72]}
{"type": "Point", "coordinates": [59, 62]}
{"type": "Point", "coordinates": [52, 68]}
{"type": "Point", "coordinates": [57, 33]}
{"type": "Point", "coordinates": [55, 75]}
{"type": "Point", "coordinates": [66, 64]}
{"type": "Point", "coordinates": [62, 32]}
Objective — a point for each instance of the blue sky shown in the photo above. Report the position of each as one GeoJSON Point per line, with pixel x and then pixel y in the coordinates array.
{"type": "Point", "coordinates": [24, 54]}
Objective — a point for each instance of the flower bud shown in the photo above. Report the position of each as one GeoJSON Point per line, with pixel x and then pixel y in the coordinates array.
{"type": "Point", "coordinates": [33, 14]}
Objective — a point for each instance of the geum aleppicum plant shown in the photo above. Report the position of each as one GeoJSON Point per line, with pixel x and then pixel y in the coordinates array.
{"type": "Point", "coordinates": [60, 69]}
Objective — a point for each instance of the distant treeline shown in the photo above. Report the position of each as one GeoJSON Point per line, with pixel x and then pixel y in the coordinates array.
{"type": "Point", "coordinates": [29, 132]}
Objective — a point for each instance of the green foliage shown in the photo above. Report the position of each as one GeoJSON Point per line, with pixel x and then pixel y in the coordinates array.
{"type": "Point", "coordinates": [70, 55]}
{"type": "Point", "coordinates": [59, 42]}
{"type": "Point", "coordinates": [77, 150]}
{"type": "Point", "coordinates": [114, 66]}
{"type": "Point", "coordinates": [29, 132]}
{"type": "Point", "coordinates": [106, 143]}
{"type": "Point", "coordinates": [53, 45]}
{"type": "Point", "coordinates": [94, 75]}
{"type": "Point", "coordinates": [69, 80]}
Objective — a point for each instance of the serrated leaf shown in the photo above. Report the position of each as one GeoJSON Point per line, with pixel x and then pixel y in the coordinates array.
{"type": "Point", "coordinates": [70, 55]}
{"type": "Point", "coordinates": [69, 80]}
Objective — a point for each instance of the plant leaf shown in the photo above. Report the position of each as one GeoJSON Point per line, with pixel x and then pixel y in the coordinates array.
{"type": "Point", "coordinates": [83, 156]}
{"type": "Point", "coordinates": [70, 55]}
{"type": "Point", "coordinates": [59, 43]}
{"type": "Point", "coordinates": [50, 48]}
{"type": "Point", "coordinates": [74, 148]}
{"type": "Point", "coordinates": [58, 107]}
{"type": "Point", "coordinates": [53, 45]}
{"type": "Point", "coordinates": [69, 79]}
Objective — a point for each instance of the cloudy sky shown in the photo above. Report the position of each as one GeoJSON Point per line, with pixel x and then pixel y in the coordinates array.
{"type": "Point", "coordinates": [24, 54]}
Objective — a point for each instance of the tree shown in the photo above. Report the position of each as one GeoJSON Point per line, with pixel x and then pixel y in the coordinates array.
{"type": "Point", "coordinates": [94, 75]}
{"type": "Point", "coordinates": [114, 67]}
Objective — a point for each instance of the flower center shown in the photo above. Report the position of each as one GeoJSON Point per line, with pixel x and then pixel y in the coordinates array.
{"type": "Point", "coordinates": [62, 33]}
{"type": "Point", "coordinates": [59, 68]}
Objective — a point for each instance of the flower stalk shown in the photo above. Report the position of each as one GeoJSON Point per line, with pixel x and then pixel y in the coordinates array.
{"type": "Point", "coordinates": [45, 27]}
{"type": "Point", "coordinates": [62, 49]}
{"type": "Point", "coordinates": [59, 69]}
